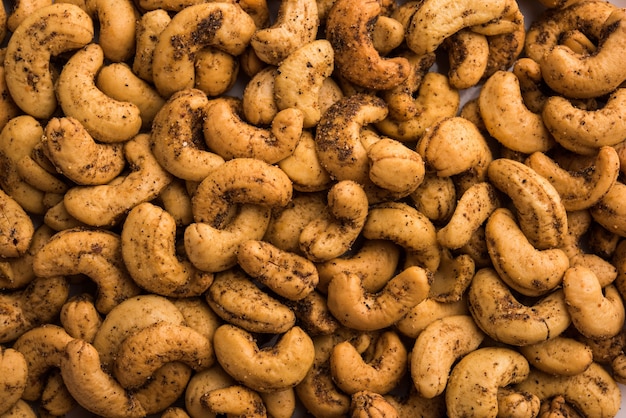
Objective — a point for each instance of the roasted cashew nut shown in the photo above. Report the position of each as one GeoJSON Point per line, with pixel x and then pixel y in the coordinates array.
{"type": "Point", "coordinates": [285, 364]}
{"type": "Point", "coordinates": [14, 369]}
{"type": "Point", "coordinates": [428, 311]}
{"type": "Point", "coordinates": [16, 227]}
{"type": "Point", "coordinates": [559, 356]}
{"type": "Point", "coordinates": [29, 50]}
{"type": "Point", "coordinates": [149, 252]}
{"type": "Point", "coordinates": [116, 27]}
{"type": "Point", "coordinates": [356, 58]}
{"type": "Point", "coordinates": [80, 318]}
{"type": "Point", "coordinates": [608, 211]}
{"type": "Point", "coordinates": [106, 119]}
{"type": "Point", "coordinates": [236, 400]}
{"type": "Point", "coordinates": [223, 25]}
{"type": "Point", "coordinates": [17, 272]}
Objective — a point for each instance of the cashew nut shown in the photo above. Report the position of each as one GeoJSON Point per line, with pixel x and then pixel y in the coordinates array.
{"type": "Point", "coordinates": [14, 369]}
{"type": "Point", "coordinates": [16, 227]}
{"type": "Point", "coordinates": [560, 355]}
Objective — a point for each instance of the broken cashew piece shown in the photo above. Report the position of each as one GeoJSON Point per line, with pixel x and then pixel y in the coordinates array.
{"type": "Point", "coordinates": [29, 50]}
{"type": "Point", "coordinates": [106, 119]}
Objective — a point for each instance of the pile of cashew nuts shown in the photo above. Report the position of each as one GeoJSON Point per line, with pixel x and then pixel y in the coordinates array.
{"type": "Point", "coordinates": [345, 237]}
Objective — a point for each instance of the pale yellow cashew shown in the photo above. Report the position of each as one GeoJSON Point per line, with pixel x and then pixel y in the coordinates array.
{"type": "Point", "coordinates": [286, 363]}
{"type": "Point", "coordinates": [148, 248]}
{"type": "Point", "coordinates": [520, 265]}
{"type": "Point", "coordinates": [29, 50]}
{"type": "Point", "coordinates": [77, 156]}
{"type": "Point", "coordinates": [222, 25]}
{"type": "Point", "coordinates": [106, 119]}
{"type": "Point", "coordinates": [296, 24]}
{"type": "Point", "coordinates": [177, 138]}
{"type": "Point", "coordinates": [107, 204]}
{"type": "Point", "coordinates": [95, 253]}
{"type": "Point", "coordinates": [367, 311]}
{"type": "Point", "coordinates": [226, 133]}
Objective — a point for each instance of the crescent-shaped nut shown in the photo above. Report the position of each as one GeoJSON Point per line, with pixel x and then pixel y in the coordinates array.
{"type": "Point", "coordinates": [609, 210]}
{"type": "Point", "coordinates": [223, 25]}
{"type": "Point", "coordinates": [560, 356]}
{"type": "Point", "coordinates": [286, 363]}
{"type": "Point", "coordinates": [106, 119]}
{"type": "Point", "coordinates": [538, 205]}
{"type": "Point", "coordinates": [16, 227]}
{"type": "Point", "coordinates": [380, 373]}
{"type": "Point", "coordinates": [579, 130]}
{"type": "Point", "coordinates": [116, 26]}
{"type": "Point", "coordinates": [468, 54]}
{"type": "Point", "coordinates": [505, 319]}
{"type": "Point", "coordinates": [94, 389]}
{"type": "Point", "coordinates": [227, 134]}
{"type": "Point", "coordinates": [304, 167]}
{"type": "Point", "coordinates": [149, 26]}
{"type": "Point", "coordinates": [520, 265]}
{"type": "Point", "coordinates": [95, 253]}
{"type": "Point", "coordinates": [80, 318]}
{"type": "Point", "coordinates": [505, 115]}
{"type": "Point", "coordinates": [106, 204]}
{"type": "Point", "coordinates": [235, 298]}
{"type": "Point", "coordinates": [201, 383]}
{"type": "Point", "coordinates": [584, 187]}
{"type": "Point", "coordinates": [14, 368]}
{"type": "Point", "coordinates": [29, 50]}
{"type": "Point", "coordinates": [337, 136]}
{"type": "Point", "coordinates": [77, 156]}
{"type": "Point", "coordinates": [367, 311]}
{"type": "Point", "coordinates": [349, 29]}
{"type": "Point", "coordinates": [472, 389]}
{"type": "Point", "coordinates": [437, 348]}
{"type": "Point", "coordinates": [236, 400]}
{"type": "Point", "coordinates": [142, 353]}
{"type": "Point", "coordinates": [239, 181]}
{"type": "Point", "coordinates": [287, 274]}
{"type": "Point", "coordinates": [436, 20]}
{"type": "Point", "coordinates": [428, 311]}
{"type": "Point", "coordinates": [149, 252]}
{"type": "Point", "coordinates": [296, 24]}
{"type": "Point", "coordinates": [593, 392]}
{"type": "Point", "coordinates": [177, 139]}
{"type": "Point", "coordinates": [596, 312]}
{"type": "Point", "coordinates": [299, 79]}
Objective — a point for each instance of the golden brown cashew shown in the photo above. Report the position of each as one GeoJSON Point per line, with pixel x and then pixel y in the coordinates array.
{"type": "Point", "coordinates": [236, 400]}
{"type": "Point", "coordinates": [106, 204]}
{"type": "Point", "coordinates": [540, 211]}
{"type": "Point", "coordinates": [94, 389]}
{"type": "Point", "coordinates": [367, 311]}
{"type": "Point", "coordinates": [560, 356]}
{"type": "Point", "coordinates": [435, 20]}
{"type": "Point", "coordinates": [313, 313]}
{"type": "Point", "coordinates": [516, 404]}
{"type": "Point", "coordinates": [177, 140]}
{"type": "Point", "coordinates": [285, 363]}
{"type": "Point", "coordinates": [201, 383]}
{"type": "Point", "coordinates": [14, 369]}
{"type": "Point", "coordinates": [473, 208]}
{"type": "Point", "coordinates": [436, 99]}
{"type": "Point", "coordinates": [609, 210]}
{"type": "Point", "coordinates": [300, 77]}
{"type": "Point", "coordinates": [145, 351]}
{"type": "Point", "coordinates": [349, 30]}
{"type": "Point", "coordinates": [407, 227]}
{"type": "Point", "coordinates": [454, 275]}
{"type": "Point", "coordinates": [437, 348]}
{"type": "Point", "coordinates": [80, 318]}
{"type": "Point", "coordinates": [468, 54]}
{"type": "Point", "coordinates": [596, 312]}
{"type": "Point", "coordinates": [595, 75]}
{"type": "Point", "coordinates": [334, 230]}
{"type": "Point", "coordinates": [520, 265]}
{"type": "Point", "coordinates": [280, 404]}
{"type": "Point", "coordinates": [95, 253]}
{"type": "Point", "coordinates": [16, 273]}
{"type": "Point", "coordinates": [226, 133]}
{"type": "Point", "coordinates": [22, 9]}
{"type": "Point", "coordinates": [149, 26]}
{"type": "Point", "coordinates": [579, 129]}
{"type": "Point", "coordinates": [118, 81]}
{"type": "Point", "coordinates": [106, 119]}
{"type": "Point", "coordinates": [474, 381]}
{"type": "Point", "coordinates": [505, 319]}
{"type": "Point", "coordinates": [505, 115]}
{"type": "Point", "coordinates": [435, 197]}
{"type": "Point", "coordinates": [216, 71]}
{"type": "Point", "coordinates": [235, 298]}
{"type": "Point", "coordinates": [42, 348]}
{"type": "Point", "coordinates": [337, 137]}
{"type": "Point", "coordinates": [16, 228]}
{"type": "Point", "coordinates": [222, 25]}
{"type": "Point", "coordinates": [37, 170]}
{"type": "Point", "coordinates": [239, 181]}
{"type": "Point", "coordinates": [30, 49]}
{"type": "Point", "coordinates": [296, 24]}
{"type": "Point", "coordinates": [17, 140]}
{"type": "Point", "coordinates": [36, 304]}
{"type": "Point", "coordinates": [304, 167]}
{"type": "Point", "coordinates": [380, 373]}
{"type": "Point", "coordinates": [287, 274]}
{"type": "Point", "coordinates": [149, 252]}
{"type": "Point", "coordinates": [426, 312]}
{"type": "Point", "coordinates": [77, 156]}
{"type": "Point", "coordinates": [593, 392]}
{"type": "Point", "coordinates": [257, 99]}
{"type": "Point", "coordinates": [116, 26]}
